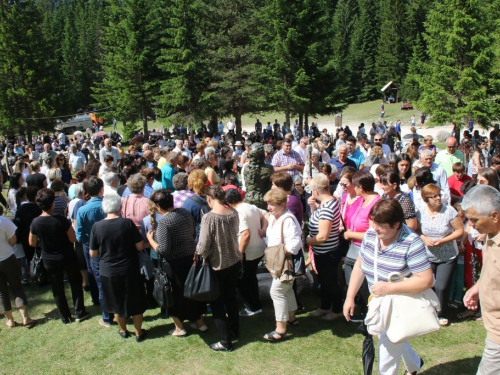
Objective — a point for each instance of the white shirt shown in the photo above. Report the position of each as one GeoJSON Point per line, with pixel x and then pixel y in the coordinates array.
{"type": "Point", "coordinates": [109, 190]}
{"type": "Point", "coordinates": [230, 125]}
{"type": "Point", "coordinates": [302, 152]}
{"type": "Point", "coordinates": [114, 153]}
{"type": "Point", "coordinates": [439, 175]}
{"type": "Point", "coordinates": [7, 230]}
{"type": "Point", "coordinates": [62, 138]}
{"type": "Point", "coordinates": [250, 218]}
{"type": "Point", "coordinates": [185, 152]}
{"type": "Point", "coordinates": [292, 234]}
{"type": "Point", "coordinates": [385, 149]}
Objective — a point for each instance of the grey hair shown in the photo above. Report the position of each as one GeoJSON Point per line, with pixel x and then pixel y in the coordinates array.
{"type": "Point", "coordinates": [136, 183]}
{"type": "Point", "coordinates": [392, 158]}
{"type": "Point", "coordinates": [180, 181]}
{"type": "Point", "coordinates": [111, 203]}
{"type": "Point", "coordinates": [425, 152]}
{"type": "Point", "coordinates": [268, 148]}
{"type": "Point", "coordinates": [342, 145]}
{"type": "Point", "coordinates": [335, 171]}
{"type": "Point", "coordinates": [483, 198]}
{"type": "Point", "coordinates": [320, 183]}
{"type": "Point", "coordinates": [209, 151]}
{"type": "Point", "coordinates": [198, 163]}
{"type": "Point", "coordinates": [248, 143]}
{"type": "Point", "coordinates": [109, 177]}
{"type": "Point", "coordinates": [371, 160]}
{"type": "Point", "coordinates": [172, 155]}
{"type": "Point", "coordinates": [52, 174]}
{"type": "Point", "coordinates": [315, 152]}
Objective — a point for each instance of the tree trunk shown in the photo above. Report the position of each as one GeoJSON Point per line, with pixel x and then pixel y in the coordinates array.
{"type": "Point", "coordinates": [145, 124]}
{"type": "Point", "coordinates": [306, 124]}
{"type": "Point", "coordinates": [29, 134]}
{"type": "Point", "coordinates": [287, 119]}
{"type": "Point", "coordinates": [301, 122]}
{"type": "Point", "coordinates": [237, 121]}
{"type": "Point", "coordinates": [213, 124]}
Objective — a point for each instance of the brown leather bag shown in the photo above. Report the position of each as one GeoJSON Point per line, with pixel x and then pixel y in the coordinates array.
{"type": "Point", "coordinates": [277, 258]}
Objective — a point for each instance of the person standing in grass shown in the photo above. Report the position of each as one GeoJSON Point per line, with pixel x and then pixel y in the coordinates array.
{"type": "Point", "coordinates": [482, 207]}
{"type": "Point", "coordinates": [10, 276]}
{"type": "Point", "coordinates": [56, 236]}
{"type": "Point", "coordinates": [116, 241]}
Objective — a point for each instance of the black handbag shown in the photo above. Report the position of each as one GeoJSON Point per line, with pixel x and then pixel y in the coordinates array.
{"type": "Point", "coordinates": [201, 283]}
{"type": "Point", "coordinates": [39, 274]}
{"type": "Point", "coordinates": [299, 263]}
{"type": "Point", "coordinates": [162, 289]}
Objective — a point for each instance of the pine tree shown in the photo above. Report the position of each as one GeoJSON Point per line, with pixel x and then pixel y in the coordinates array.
{"type": "Point", "coordinates": [182, 61]}
{"type": "Point", "coordinates": [130, 48]}
{"type": "Point", "coordinates": [26, 85]}
{"type": "Point", "coordinates": [458, 82]}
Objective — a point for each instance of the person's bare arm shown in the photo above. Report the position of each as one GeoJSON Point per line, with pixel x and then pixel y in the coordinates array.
{"type": "Point", "coordinates": [415, 284]}
{"type": "Point", "coordinates": [324, 229]}
{"type": "Point", "coordinates": [244, 240]}
{"type": "Point", "coordinates": [458, 231]}
{"type": "Point", "coordinates": [13, 240]}
{"type": "Point", "coordinates": [32, 239]}
{"type": "Point", "coordinates": [357, 278]}
{"type": "Point", "coordinates": [139, 245]}
{"type": "Point", "coordinates": [71, 234]}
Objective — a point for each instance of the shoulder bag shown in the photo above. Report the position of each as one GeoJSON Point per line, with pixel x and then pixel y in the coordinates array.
{"type": "Point", "coordinates": [162, 289]}
{"type": "Point", "coordinates": [411, 315]}
{"type": "Point", "coordinates": [201, 283]}
{"type": "Point", "coordinates": [276, 256]}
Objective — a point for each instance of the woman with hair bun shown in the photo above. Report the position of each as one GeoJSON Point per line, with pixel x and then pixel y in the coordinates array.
{"type": "Point", "coordinates": [173, 241]}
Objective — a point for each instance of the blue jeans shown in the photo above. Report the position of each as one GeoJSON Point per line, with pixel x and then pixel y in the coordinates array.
{"type": "Point", "coordinates": [94, 290]}
{"type": "Point", "coordinates": [94, 262]}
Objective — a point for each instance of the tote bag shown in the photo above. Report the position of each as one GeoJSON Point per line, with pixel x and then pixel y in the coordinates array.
{"type": "Point", "coordinates": [201, 283]}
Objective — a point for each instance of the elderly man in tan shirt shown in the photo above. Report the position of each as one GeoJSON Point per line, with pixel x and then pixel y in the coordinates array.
{"type": "Point", "coordinates": [482, 207]}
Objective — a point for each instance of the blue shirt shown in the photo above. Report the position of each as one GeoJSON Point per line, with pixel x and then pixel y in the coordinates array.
{"type": "Point", "coordinates": [357, 157]}
{"type": "Point", "coordinates": [86, 217]}
{"type": "Point", "coordinates": [148, 190]}
{"type": "Point", "coordinates": [167, 174]}
{"type": "Point", "coordinates": [340, 165]}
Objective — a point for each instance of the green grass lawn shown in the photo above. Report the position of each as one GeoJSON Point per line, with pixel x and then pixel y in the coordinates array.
{"type": "Point", "coordinates": [353, 115]}
{"type": "Point", "coordinates": [314, 347]}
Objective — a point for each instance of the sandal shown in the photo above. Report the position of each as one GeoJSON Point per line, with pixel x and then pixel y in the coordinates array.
{"type": "Point", "coordinates": [294, 322]}
{"type": "Point", "coordinates": [271, 336]}
{"type": "Point", "coordinates": [478, 317]}
{"type": "Point", "coordinates": [466, 314]}
{"type": "Point", "coordinates": [218, 347]}
{"type": "Point", "coordinates": [14, 324]}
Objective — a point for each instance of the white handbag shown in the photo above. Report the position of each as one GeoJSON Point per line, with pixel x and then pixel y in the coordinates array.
{"type": "Point", "coordinates": [411, 315]}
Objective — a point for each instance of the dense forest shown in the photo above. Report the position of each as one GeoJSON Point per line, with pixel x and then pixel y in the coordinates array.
{"type": "Point", "coordinates": [193, 60]}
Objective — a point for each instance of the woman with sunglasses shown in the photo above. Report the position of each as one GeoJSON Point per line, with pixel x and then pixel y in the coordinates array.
{"type": "Point", "coordinates": [62, 164]}
{"type": "Point", "coordinates": [439, 227]}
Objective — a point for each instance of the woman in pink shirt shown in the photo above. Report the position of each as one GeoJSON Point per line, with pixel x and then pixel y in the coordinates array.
{"type": "Point", "coordinates": [359, 222]}
{"type": "Point", "coordinates": [135, 205]}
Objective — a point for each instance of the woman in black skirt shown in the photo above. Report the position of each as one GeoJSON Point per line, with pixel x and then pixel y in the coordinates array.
{"type": "Point", "coordinates": [116, 241]}
{"type": "Point", "coordinates": [174, 242]}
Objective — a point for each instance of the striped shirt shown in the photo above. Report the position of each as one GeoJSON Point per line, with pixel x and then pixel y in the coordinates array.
{"type": "Point", "coordinates": [329, 211]}
{"type": "Point", "coordinates": [406, 255]}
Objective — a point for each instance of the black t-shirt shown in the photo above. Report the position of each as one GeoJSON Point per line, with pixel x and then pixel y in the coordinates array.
{"type": "Point", "coordinates": [24, 217]}
{"type": "Point", "coordinates": [36, 179]}
{"type": "Point", "coordinates": [115, 239]}
{"type": "Point", "coordinates": [51, 231]}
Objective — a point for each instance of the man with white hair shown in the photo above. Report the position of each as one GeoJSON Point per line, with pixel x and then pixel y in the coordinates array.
{"type": "Point", "coordinates": [482, 207]}
{"type": "Point", "coordinates": [342, 160]}
{"type": "Point", "coordinates": [76, 159]}
{"type": "Point", "coordinates": [179, 148]}
{"type": "Point", "coordinates": [301, 148]}
{"type": "Point", "coordinates": [109, 149]}
{"type": "Point", "coordinates": [111, 182]}
{"type": "Point", "coordinates": [438, 173]}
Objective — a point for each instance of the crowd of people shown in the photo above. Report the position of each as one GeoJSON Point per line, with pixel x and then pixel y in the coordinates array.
{"type": "Point", "coordinates": [92, 208]}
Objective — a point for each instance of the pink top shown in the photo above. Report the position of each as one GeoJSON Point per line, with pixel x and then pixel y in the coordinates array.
{"type": "Point", "coordinates": [359, 219]}
{"type": "Point", "coordinates": [135, 207]}
{"type": "Point", "coordinates": [348, 210]}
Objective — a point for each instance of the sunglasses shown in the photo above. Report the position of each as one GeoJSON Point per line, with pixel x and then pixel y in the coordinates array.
{"type": "Point", "coordinates": [378, 139]}
{"type": "Point", "coordinates": [343, 184]}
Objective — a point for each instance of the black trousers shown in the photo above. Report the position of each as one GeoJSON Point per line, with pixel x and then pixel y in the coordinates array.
{"type": "Point", "coordinates": [248, 285]}
{"type": "Point", "coordinates": [331, 294]}
{"type": "Point", "coordinates": [364, 291]}
{"type": "Point", "coordinates": [56, 270]}
{"type": "Point", "coordinates": [226, 324]}
{"type": "Point", "coordinates": [10, 278]}
{"type": "Point", "coordinates": [443, 272]}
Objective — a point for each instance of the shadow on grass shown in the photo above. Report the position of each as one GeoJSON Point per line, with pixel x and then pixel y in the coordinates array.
{"type": "Point", "coordinates": [458, 367]}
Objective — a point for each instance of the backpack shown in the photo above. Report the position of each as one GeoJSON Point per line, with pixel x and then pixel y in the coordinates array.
{"type": "Point", "coordinates": [204, 208]}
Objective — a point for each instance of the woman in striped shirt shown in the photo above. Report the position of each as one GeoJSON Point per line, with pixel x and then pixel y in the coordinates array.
{"type": "Point", "coordinates": [324, 239]}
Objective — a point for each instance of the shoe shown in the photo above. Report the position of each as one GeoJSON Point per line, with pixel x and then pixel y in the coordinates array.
{"type": "Point", "coordinates": [320, 312]}
{"type": "Point", "coordinates": [332, 316]}
{"type": "Point", "coordinates": [142, 336]}
{"type": "Point", "coordinates": [271, 336]}
{"type": "Point", "coordinates": [218, 347]}
{"type": "Point", "coordinates": [103, 323]}
{"type": "Point", "coordinates": [415, 372]}
{"type": "Point", "coordinates": [124, 335]}
{"type": "Point", "coordinates": [247, 312]}
{"type": "Point", "coordinates": [180, 333]}
{"type": "Point", "coordinates": [82, 317]}
{"type": "Point", "coordinates": [443, 322]}
{"type": "Point", "coordinates": [294, 322]}
{"type": "Point", "coordinates": [358, 318]}
{"type": "Point", "coordinates": [67, 320]}
{"type": "Point", "coordinates": [299, 310]}
{"type": "Point", "coordinates": [25, 282]}
{"type": "Point", "coordinates": [203, 328]}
